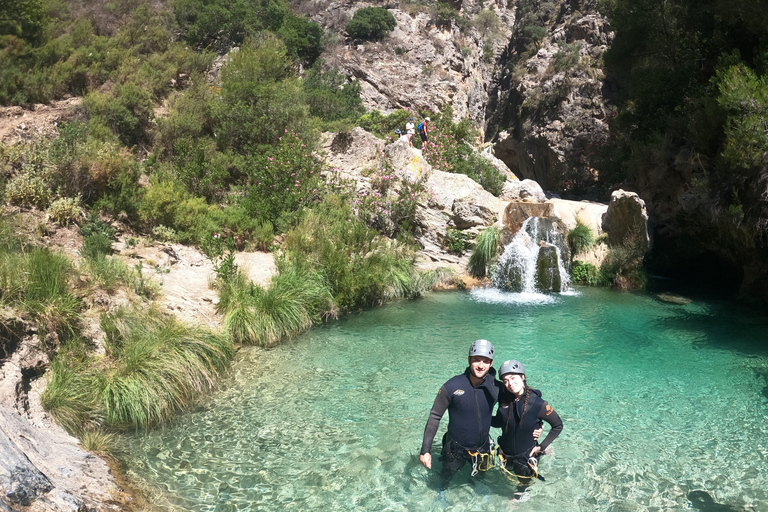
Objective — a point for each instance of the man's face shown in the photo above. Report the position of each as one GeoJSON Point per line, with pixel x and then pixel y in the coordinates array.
{"type": "Point", "coordinates": [479, 366]}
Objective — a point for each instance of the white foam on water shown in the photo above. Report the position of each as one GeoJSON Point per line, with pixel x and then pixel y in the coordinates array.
{"type": "Point", "coordinates": [496, 296]}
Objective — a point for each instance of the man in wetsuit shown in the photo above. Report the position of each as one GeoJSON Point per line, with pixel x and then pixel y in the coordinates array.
{"type": "Point", "coordinates": [469, 399]}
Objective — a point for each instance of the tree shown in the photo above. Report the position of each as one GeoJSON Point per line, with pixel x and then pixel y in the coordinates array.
{"type": "Point", "coordinates": [371, 24]}
{"type": "Point", "coordinates": [22, 18]}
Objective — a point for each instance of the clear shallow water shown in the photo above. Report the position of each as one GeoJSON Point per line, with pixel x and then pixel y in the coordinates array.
{"type": "Point", "coordinates": [658, 400]}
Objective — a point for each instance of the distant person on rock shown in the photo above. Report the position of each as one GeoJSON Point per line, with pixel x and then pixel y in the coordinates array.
{"type": "Point", "coordinates": [410, 131]}
{"type": "Point", "coordinates": [521, 411]}
{"type": "Point", "coordinates": [400, 135]}
{"type": "Point", "coordinates": [423, 130]}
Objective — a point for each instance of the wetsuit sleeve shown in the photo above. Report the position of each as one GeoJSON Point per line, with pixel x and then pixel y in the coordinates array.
{"type": "Point", "coordinates": [548, 414]}
{"type": "Point", "coordinates": [442, 401]}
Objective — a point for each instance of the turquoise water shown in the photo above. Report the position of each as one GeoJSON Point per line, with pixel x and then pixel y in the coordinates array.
{"type": "Point", "coordinates": [663, 404]}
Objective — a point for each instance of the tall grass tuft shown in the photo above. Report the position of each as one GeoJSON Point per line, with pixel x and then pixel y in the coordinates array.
{"type": "Point", "coordinates": [153, 367]}
{"type": "Point", "coordinates": [296, 299]}
{"type": "Point", "coordinates": [487, 248]}
{"type": "Point", "coordinates": [580, 238]}
{"type": "Point", "coordinates": [360, 267]}
{"type": "Point", "coordinates": [160, 366]}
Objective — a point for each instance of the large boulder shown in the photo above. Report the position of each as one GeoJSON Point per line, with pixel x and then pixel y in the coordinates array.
{"type": "Point", "coordinates": [525, 190]}
{"type": "Point", "coordinates": [44, 470]}
{"type": "Point", "coordinates": [352, 152]}
{"type": "Point", "coordinates": [573, 212]}
{"type": "Point", "coordinates": [516, 212]}
{"type": "Point", "coordinates": [626, 220]}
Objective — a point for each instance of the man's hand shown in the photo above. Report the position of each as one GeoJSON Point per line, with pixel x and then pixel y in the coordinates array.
{"type": "Point", "coordinates": [426, 459]}
{"type": "Point", "coordinates": [535, 451]}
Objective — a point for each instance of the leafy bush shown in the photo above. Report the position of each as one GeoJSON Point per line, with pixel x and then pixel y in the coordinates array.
{"type": "Point", "coordinates": [580, 238]}
{"type": "Point", "coordinates": [456, 240]}
{"type": "Point", "coordinates": [586, 273]}
{"type": "Point", "coordinates": [127, 112]}
{"type": "Point", "coordinates": [384, 125]}
{"type": "Point", "coordinates": [96, 245]}
{"type": "Point", "coordinates": [283, 184]}
{"type": "Point", "coordinates": [26, 189]}
{"type": "Point", "coordinates": [360, 267]}
{"type": "Point", "coordinates": [331, 96]}
{"type": "Point", "coordinates": [443, 15]}
{"type": "Point", "coordinates": [260, 98]}
{"type": "Point", "coordinates": [65, 210]}
{"type": "Point", "coordinates": [371, 24]}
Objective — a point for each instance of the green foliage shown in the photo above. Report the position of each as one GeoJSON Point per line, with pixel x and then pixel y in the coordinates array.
{"type": "Point", "coordinates": [96, 245]}
{"type": "Point", "coordinates": [586, 273]}
{"type": "Point", "coordinates": [566, 58]}
{"type": "Point", "coordinates": [295, 300]}
{"type": "Point", "coordinates": [260, 98]}
{"type": "Point", "coordinates": [487, 247]}
{"type": "Point", "coordinates": [580, 238]}
{"type": "Point", "coordinates": [390, 206]}
{"type": "Point", "coordinates": [442, 14]}
{"type": "Point", "coordinates": [331, 96]}
{"type": "Point", "coordinates": [360, 267]}
{"type": "Point", "coordinates": [66, 210]}
{"type": "Point", "coordinates": [22, 18]}
{"type": "Point", "coordinates": [371, 24]}
{"type": "Point", "coordinates": [37, 282]}
{"type": "Point", "coordinates": [127, 112]}
{"type": "Point", "coordinates": [449, 151]}
{"type": "Point", "coordinates": [456, 241]}
{"type": "Point", "coordinates": [221, 252]}
{"type": "Point", "coordinates": [283, 184]}
{"type": "Point", "coordinates": [26, 189]}
{"type": "Point", "coordinates": [487, 23]}
{"type": "Point", "coordinates": [153, 368]}
{"type": "Point", "coordinates": [384, 125]}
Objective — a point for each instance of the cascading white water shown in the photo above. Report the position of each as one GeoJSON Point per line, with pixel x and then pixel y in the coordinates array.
{"type": "Point", "coordinates": [517, 268]}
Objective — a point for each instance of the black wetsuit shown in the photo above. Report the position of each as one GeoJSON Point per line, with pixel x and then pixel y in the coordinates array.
{"type": "Point", "coordinates": [470, 410]}
{"type": "Point", "coordinates": [516, 440]}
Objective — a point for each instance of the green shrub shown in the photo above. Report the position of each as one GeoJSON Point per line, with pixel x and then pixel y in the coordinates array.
{"type": "Point", "coordinates": [487, 247]}
{"type": "Point", "coordinates": [260, 98]}
{"type": "Point", "coordinates": [331, 96]}
{"type": "Point", "coordinates": [371, 24]}
{"type": "Point", "coordinates": [164, 234]}
{"type": "Point", "coordinates": [384, 125]}
{"type": "Point", "coordinates": [586, 273]}
{"type": "Point", "coordinates": [580, 238]}
{"type": "Point", "coordinates": [283, 184]}
{"type": "Point", "coordinates": [66, 210]}
{"type": "Point", "coordinates": [28, 190]}
{"type": "Point", "coordinates": [96, 245]}
{"type": "Point", "coordinates": [127, 112]}
{"type": "Point", "coordinates": [264, 236]}
{"type": "Point", "coordinates": [443, 15]}
{"type": "Point", "coordinates": [359, 266]}
{"type": "Point", "coordinates": [487, 23]}
{"type": "Point", "coordinates": [456, 241]}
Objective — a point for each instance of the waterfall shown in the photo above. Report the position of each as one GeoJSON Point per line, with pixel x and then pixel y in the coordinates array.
{"type": "Point", "coordinates": [533, 261]}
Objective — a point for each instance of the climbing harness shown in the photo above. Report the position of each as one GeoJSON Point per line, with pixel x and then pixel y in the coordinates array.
{"type": "Point", "coordinates": [483, 461]}
{"type": "Point", "coordinates": [533, 463]}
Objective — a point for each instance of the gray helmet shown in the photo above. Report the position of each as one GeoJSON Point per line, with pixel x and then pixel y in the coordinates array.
{"type": "Point", "coordinates": [482, 348]}
{"type": "Point", "coordinates": [511, 366]}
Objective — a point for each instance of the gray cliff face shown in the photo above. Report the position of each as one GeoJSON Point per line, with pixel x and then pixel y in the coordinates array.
{"type": "Point", "coordinates": [542, 104]}
{"type": "Point", "coordinates": [426, 62]}
{"type": "Point", "coordinates": [548, 103]}
{"type": "Point", "coordinates": [42, 468]}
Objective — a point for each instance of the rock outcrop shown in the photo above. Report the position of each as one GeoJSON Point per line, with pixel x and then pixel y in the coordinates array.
{"type": "Point", "coordinates": [626, 221]}
{"type": "Point", "coordinates": [548, 107]}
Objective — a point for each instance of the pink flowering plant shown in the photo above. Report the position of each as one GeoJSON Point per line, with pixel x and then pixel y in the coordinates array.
{"type": "Point", "coordinates": [390, 206]}
{"type": "Point", "coordinates": [448, 150]}
{"type": "Point", "coordinates": [284, 182]}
